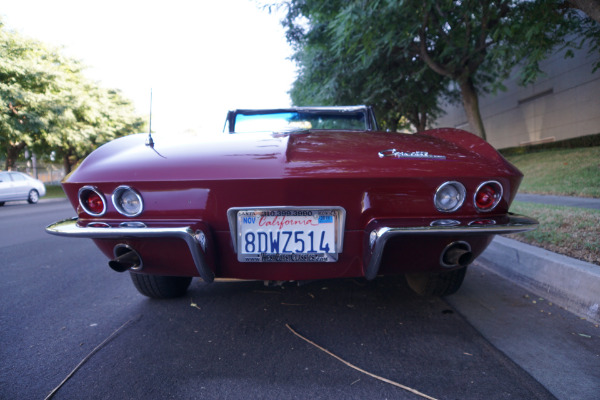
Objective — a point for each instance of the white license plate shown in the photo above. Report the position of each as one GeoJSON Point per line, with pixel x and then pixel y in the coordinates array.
{"type": "Point", "coordinates": [289, 234]}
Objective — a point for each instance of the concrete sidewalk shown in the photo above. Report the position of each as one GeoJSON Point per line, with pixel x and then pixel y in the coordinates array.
{"type": "Point", "coordinates": [568, 282]}
{"type": "Point", "coordinates": [571, 283]}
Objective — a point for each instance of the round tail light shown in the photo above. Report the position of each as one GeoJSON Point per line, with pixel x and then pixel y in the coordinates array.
{"type": "Point", "coordinates": [127, 201]}
{"type": "Point", "coordinates": [92, 201]}
{"type": "Point", "coordinates": [488, 195]}
{"type": "Point", "coordinates": [449, 196]}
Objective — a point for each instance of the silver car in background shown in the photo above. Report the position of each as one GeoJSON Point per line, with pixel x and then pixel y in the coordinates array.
{"type": "Point", "coordinates": [19, 186]}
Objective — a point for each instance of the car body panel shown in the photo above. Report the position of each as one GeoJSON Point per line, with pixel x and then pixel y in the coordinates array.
{"type": "Point", "coordinates": [384, 182]}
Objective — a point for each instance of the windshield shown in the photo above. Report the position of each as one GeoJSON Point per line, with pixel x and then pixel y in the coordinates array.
{"type": "Point", "coordinates": [293, 121]}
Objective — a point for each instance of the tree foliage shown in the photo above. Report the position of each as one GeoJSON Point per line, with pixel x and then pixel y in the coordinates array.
{"type": "Point", "coordinates": [47, 105]}
{"type": "Point", "coordinates": [341, 64]}
{"type": "Point", "coordinates": [402, 53]}
{"type": "Point", "coordinates": [588, 26]}
{"type": "Point", "coordinates": [590, 7]}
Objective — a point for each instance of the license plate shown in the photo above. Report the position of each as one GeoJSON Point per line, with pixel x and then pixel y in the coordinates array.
{"type": "Point", "coordinates": [288, 234]}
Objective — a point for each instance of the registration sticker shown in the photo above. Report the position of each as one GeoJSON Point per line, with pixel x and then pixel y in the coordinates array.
{"type": "Point", "coordinates": [287, 234]}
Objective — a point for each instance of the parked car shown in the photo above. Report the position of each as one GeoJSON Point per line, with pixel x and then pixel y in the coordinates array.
{"type": "Point", "coordinates": [19, 186]}
{"type": "Point", "coordinates": [291, 195]}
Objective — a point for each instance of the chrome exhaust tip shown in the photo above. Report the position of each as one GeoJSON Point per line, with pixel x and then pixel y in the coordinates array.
{"type": "Point", "coordinates": [125, 259]}
{"type": "Point", "coordinates": [456, 254]}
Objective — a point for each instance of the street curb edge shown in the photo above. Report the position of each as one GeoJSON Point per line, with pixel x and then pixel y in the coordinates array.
{"type": "Point", "coordinates": [568, 282]}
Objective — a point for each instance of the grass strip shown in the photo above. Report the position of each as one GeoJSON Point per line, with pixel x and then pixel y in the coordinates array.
{"type": "Point", "coordinates": [54, 191]}
{"type": "Point", "coordinates": [571, 231]}
{"type": "Point", "coordinates": [567, 172]}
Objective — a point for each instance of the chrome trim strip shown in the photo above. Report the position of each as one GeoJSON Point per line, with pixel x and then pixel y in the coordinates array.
{"type": "Point", "coordinates": [98, 225]}
{"type": "Point", "coordinates": [70, 228]}
{"type": "Point", "coordinates": [380, 236]}
{"type": "Point", "coordinates": [132, 224]}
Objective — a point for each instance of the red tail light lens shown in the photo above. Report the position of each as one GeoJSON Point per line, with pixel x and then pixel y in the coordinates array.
{"type": "Point", "coordinates": [92, 201]}
{"type": "Point", "coordinates": [95, 204]}
{"type": "Point", "coordinates": [488, 195]}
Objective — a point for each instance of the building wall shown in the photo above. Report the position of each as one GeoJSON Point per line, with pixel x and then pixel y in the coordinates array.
{"type": "Point", "coordinates": [563, 104]}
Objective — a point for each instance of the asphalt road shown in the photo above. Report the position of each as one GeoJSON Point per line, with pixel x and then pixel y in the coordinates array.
{"type": "Point", "coordinates": [59, 301]}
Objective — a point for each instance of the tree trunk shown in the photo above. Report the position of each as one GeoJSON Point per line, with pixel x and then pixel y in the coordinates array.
{"type": "Point", "coordinates": [590, 7]}
{"type": "Point", "coordinates": [66, 164]}
{"type": "Point", "coordinates": [471, 104]}
{"type": "Point", "coordinates": [12, 154]}
{"type": "Point", "coordinates": [423, 121]}
{"type": "Point", "coordinates": [418, 119]}
{"type": "Point", "coordinates": [419, 124]}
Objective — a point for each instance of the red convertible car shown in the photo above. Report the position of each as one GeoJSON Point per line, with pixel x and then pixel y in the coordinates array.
{"type": "Point", "coordinates": [291, 195]}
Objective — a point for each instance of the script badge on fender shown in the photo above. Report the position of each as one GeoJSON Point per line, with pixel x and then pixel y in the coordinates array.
{"type": "Point", "coordinates": [413, 154]}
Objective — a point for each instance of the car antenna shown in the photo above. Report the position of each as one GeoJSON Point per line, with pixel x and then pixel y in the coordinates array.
{"type": "Point", "coordinates": [149, 141]}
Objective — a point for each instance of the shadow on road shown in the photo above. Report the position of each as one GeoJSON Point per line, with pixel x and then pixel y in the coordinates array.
{"type": "Point", "coordinates": [229, 340]}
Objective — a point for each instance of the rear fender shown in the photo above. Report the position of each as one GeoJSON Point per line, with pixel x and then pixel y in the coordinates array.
{"type": "Point", "coordinates": [467, 141]}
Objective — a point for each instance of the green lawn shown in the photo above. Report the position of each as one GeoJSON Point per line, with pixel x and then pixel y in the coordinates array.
{"type": "Point", "coordinates": [569, 172]}
{"type": "Point", "coordinates": [571, 231]}
{"type": "Point", "coordinates": [54, 191]}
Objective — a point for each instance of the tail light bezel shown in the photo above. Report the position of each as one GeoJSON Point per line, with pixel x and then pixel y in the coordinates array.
{"type": "Point", "coordinates": [498, 190]}
{"type": "Point", "coordinates": [83, 196]}
{"type": "Point", "coordinates": [116, 196]}
{"type": "Point", "coordinates": [459, 187]}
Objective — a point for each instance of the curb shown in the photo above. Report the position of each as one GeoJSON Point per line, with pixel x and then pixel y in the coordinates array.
{"type": "Point", "coordinates": [570, 283]}
{"type": "Point", "coordinates": [41, 201]}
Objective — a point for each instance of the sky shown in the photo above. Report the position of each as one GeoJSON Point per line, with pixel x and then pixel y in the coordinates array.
{"type": "Point", "coordinates": [200, 58]}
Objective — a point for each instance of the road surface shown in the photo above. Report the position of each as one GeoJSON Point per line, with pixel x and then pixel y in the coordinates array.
{"type": "Point", "coordinates": [230, 340]}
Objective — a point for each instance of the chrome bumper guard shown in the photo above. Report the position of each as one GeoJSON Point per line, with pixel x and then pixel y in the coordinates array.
{"type": "Point", "coordinates": [70, 228]}
{"type": "Point", "coordinates": [379, 236]}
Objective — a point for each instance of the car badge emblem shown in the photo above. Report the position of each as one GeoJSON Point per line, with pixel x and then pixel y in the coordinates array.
{"type": "Point", "coordinates": [413, 154]}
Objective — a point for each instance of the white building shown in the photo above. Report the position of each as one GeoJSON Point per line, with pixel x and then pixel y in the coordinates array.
{"type": "Point", "coordinates": [563, 104]}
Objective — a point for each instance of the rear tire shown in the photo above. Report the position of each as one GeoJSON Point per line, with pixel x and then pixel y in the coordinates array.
{"type": "Point", "coordinates": [160, 287]}
{"type": "Point", "coordinates": [33, 196]}
{"type": "Point", "coordinates": [1, 203]}
{"type": "Point", "coordinates": [436, 283]}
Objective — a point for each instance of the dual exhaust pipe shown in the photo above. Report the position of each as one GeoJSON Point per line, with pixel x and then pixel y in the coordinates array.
{"type": "Point", "coordinates": [456, 254]}
{"type": "Point", "coordinates": [125, 259]}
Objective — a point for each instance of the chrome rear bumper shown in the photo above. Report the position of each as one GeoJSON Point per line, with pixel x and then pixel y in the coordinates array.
{"type": "Point", "coordinates": [379, 236]}
{"type": "Point", "coordinates": [70, 228]}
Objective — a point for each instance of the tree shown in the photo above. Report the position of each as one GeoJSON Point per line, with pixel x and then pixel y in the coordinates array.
{"type": "Point", "coordinates": [46, 104]}
{"type": "Point", "coordinates": [86, 116]}
{"type": "Point", "coordinates": [590, 7]}
{"type": "Point", "coordinates": [28, 74]}
{"type": "Point", "coordinates": [587, 27]}
{"type": "Point", "coordinates": [333, 72]}
{"type": "Point", "coordinates": [473, 43]}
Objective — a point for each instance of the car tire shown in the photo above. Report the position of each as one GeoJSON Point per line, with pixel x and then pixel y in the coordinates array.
{"type": "Point", "coordinates": [1, 203]}
{"type": "Point", "coordinates": [436, 283]}
{"type": "Point", "coordinates": [160, 287]}
{"type": "Point", "coordinates": [33, 196]}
